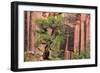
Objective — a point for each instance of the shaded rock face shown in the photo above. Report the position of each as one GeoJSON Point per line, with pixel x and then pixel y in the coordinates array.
{"type": "Point", "coordinates": [80, 23]}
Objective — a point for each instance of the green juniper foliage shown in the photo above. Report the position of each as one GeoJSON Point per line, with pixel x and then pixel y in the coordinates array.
{"type": "Point", "coordinates": [53, 40]}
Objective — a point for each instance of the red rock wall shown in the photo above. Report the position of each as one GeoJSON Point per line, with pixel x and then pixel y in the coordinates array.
{"type": "Point", "coordinates": [81, 32]}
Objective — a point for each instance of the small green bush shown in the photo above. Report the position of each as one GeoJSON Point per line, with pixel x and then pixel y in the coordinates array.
{"type": "Point", "coordinates": [83, 55]}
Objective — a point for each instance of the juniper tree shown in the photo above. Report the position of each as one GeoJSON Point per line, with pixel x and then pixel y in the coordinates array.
{"type": "Point", "coordinates": [52, 32]}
